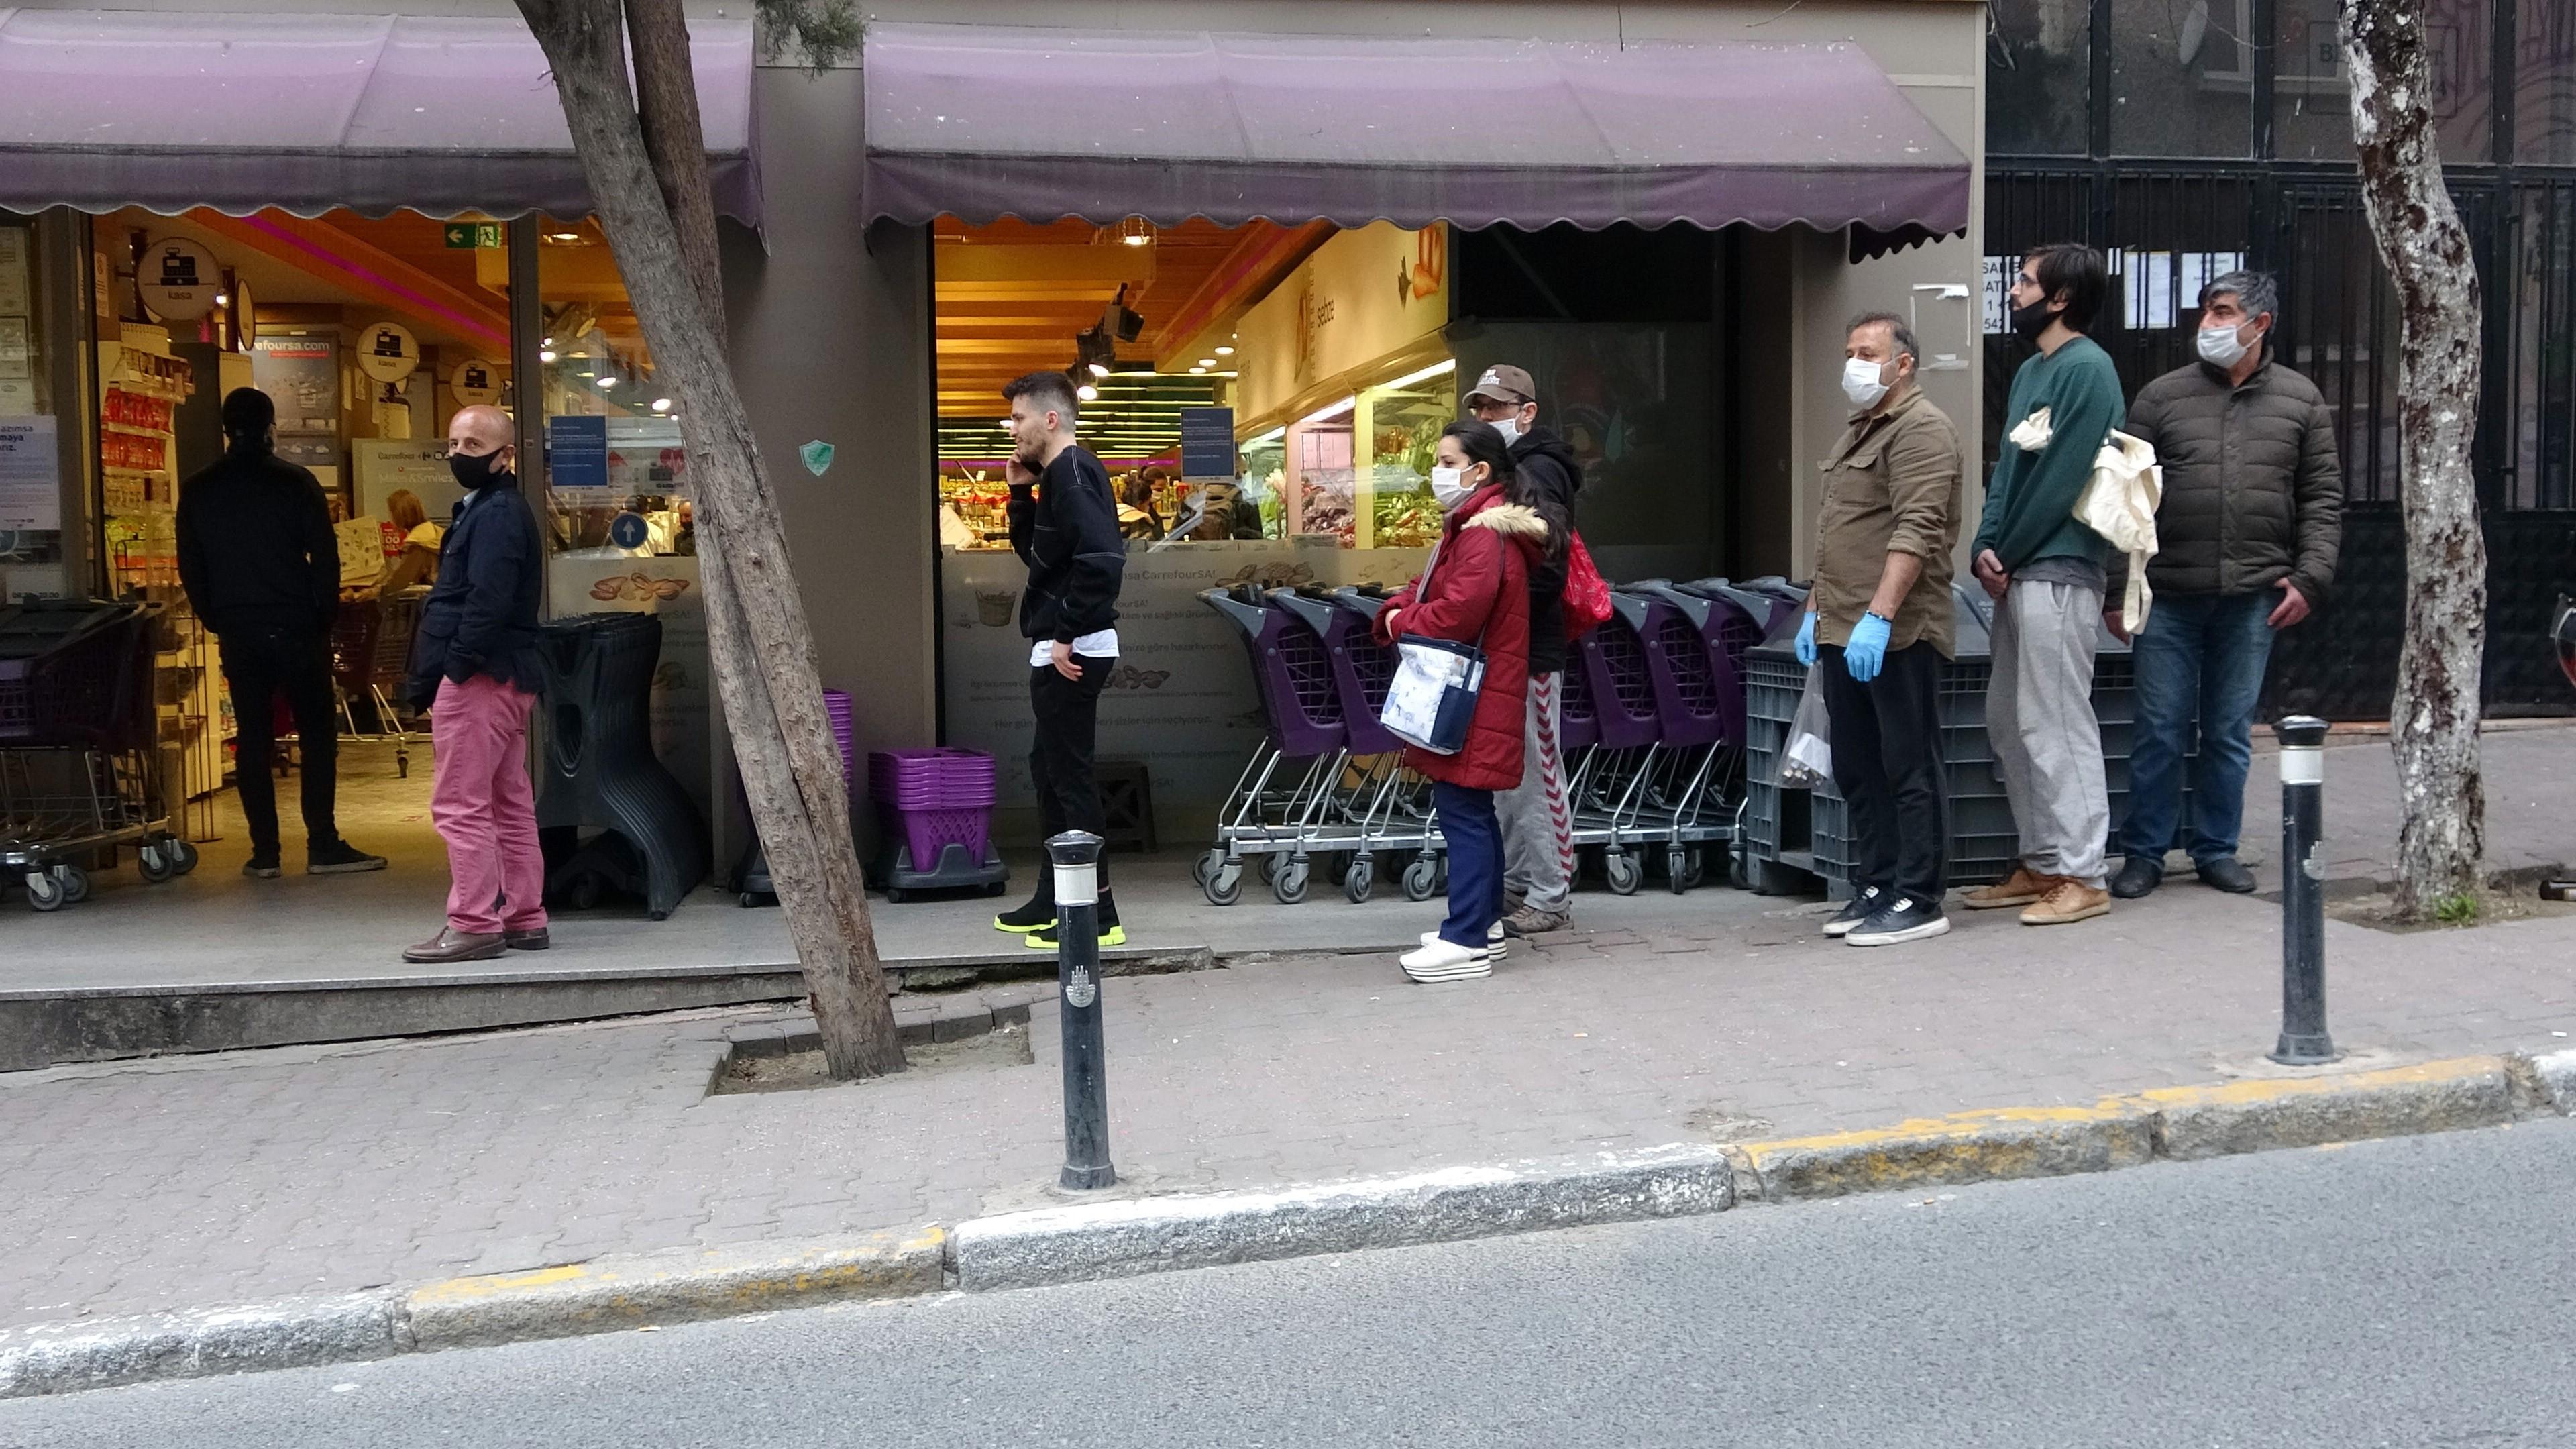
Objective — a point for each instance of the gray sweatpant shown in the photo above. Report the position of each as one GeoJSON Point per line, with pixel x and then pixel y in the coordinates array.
{"type": "Point", "coordinates": [2039, 718]}
{"type": "Point", "coordinates": [1537, 819]}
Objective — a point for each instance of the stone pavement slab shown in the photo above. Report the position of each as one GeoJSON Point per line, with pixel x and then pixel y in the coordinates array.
{"type": "Point", "coordinates": [141, 1186]}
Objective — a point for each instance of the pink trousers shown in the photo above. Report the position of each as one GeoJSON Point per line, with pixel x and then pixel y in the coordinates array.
{"type": "Point", "coordinates": [485, 809]}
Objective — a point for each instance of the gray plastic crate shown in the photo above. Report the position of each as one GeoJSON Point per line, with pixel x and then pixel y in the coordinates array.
{"type": "Point", "coordinates": [1794, 838]}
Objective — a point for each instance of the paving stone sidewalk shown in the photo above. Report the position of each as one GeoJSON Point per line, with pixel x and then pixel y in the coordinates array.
{"type": "Point", "coordinates": [131, 1187]}
{"type": "Point", "coordinates": [193, 1181]}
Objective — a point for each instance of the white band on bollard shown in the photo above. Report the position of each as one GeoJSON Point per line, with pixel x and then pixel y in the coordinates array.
{"type": "Point", "coordinates": [1077, 885]}
{"type": "Point", "coordinates": [2303, 765]}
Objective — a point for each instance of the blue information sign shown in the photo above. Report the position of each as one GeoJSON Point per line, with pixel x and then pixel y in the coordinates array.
{"type": "Point", "coordinates": [577, 452]}
{"type": "Point", "coordinates": [1207, 442]}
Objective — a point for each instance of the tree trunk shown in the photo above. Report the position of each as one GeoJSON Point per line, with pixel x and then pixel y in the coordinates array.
{"type": "Point", "coordinates": [655, 204]}
{"type": "Point", "coordinates": [2386, 44]}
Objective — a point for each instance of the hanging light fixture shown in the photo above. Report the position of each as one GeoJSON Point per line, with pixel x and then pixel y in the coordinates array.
{"type": "Point", "coordinates": [1136, 231]}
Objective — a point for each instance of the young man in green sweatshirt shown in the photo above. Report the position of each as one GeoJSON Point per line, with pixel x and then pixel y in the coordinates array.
{"type": "Point", "coordinates": [2044, 570]}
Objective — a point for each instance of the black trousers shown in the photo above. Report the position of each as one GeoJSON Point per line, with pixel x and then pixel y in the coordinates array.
{"type": "Point", "coordinates": [1887, 764]}
{"type": "Point", "coordinates": [1068, 720]}
{"type": "Point", "coordinates": [260, 664]}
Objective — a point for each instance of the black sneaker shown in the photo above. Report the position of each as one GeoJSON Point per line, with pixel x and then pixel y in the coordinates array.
{"type": "Point", "coordinates": [1906, 920]}
{"type": "Point", "coordinates": [2225, 874]}
{"type": "Point", "coordinates": [340, 858]}
{"type": "Point", "coordinates": [262, 865]}
{"type": "Point", "coordinates": [1860, 908]}
{"type": "Point", "coordinates": [1037, 914]}
{"type": "Point", "coordinates": [2139, 876]}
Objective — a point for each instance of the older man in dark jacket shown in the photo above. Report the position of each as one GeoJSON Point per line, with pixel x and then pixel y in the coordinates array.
{"type": "Point", "coordinates": [2246, 540]}
{"type": "Point", "coordinates": [475, 668]}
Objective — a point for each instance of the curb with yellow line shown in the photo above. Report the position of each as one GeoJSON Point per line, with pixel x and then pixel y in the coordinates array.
{"type": "Point", "coordinates": [1118, 1238]}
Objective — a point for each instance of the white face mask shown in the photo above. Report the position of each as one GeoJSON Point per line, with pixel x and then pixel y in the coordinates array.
{"type": "Point", "coordinates": [1510, 428]}
{"type": "Point", "coordinates": [1449, 487]}
{"type": "Point", "coordinates": [1861, 381]}
{"type": "Point", "coordinates": [2219, 346]}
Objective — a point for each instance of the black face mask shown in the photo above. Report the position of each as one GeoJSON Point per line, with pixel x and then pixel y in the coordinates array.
{"type": "Point", "coordinates": [476, 471]}
{"type": "Point", "coordinates": [2028, 322]}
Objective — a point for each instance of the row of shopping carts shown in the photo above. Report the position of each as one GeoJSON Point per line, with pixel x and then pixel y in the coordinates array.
{"type": "Point", "coordinates": [80, 758]}
{"type": "Point", "coordinates": [1653, 726]}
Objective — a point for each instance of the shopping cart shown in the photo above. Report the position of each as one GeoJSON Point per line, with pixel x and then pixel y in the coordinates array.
{"type": "Point", "coordinates": [80, 764]}
{"type": "Point", "coordinates": [1694, 656]}
{"type": "Point", "coordinates": [1386, 807]}
{"type": "Point", "coordinates": [371, 659]}
{"type": "Point", "coordinates": [1616, 700]}
{"type": "Point", "coordinates": [1281, 803]}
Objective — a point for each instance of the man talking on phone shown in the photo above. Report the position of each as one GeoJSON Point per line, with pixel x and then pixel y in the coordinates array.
{"type": "Point", "coordinates": [1064, 526]}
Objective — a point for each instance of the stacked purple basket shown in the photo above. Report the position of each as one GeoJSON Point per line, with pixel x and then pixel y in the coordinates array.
{"type": "Point", "coordinates": [932, 799]}
{"type": "Point", "coordinates": [836, 704]}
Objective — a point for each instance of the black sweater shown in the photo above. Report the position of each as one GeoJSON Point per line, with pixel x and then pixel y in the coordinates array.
{"type": "Point", "coordinates": [256, 547]}
{"type": "Point", "coordinates": [1066, 530]}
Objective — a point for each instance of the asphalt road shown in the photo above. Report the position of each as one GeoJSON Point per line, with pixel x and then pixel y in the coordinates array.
{"type": "Point", "coordinates": [2408, 1293]}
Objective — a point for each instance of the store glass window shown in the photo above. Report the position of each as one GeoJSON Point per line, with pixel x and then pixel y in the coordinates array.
{"type": "Point", "coordinates": [31, 436]}
{"type": "Point", "coordinates": [2038, 64]}
{"type": "Point", "coordinates": [2544, 106]}
{"type": "Point", "coordinates": [2311, 90]}
{"type": "Point", "coordinates": [2182, 79]}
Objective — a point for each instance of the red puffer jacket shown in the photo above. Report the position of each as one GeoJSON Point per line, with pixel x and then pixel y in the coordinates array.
{"type": "Point", "coordinates": [1479, 595]}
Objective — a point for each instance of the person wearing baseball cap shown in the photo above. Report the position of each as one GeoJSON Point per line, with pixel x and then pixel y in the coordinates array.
{"type": "Point", "coordinates": [1536, 817]}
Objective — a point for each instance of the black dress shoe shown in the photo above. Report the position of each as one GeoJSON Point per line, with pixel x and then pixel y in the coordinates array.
{"type": "Point", "coordinates": [2225, 874]}
{"type": "Point", "coordinates": [2137, 879]}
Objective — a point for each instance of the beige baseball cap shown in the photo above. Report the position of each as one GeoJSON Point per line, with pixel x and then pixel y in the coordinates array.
{"type": "Point", "coordinates": [1504, 383]}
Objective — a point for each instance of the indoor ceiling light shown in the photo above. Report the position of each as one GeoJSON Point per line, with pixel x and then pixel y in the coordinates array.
{"type": "Point", "coordinates": [1446, 364]}
{"type": "Point", "coordinates": [1207, 362]}
{"type": "Point", "coordinates": [1195, 371]}
{"type": "Point", "coordinates": [661, 405]}
{"type": "Point", "coordinates": [1086, 392]}
{"type": "Point", "coordinates": [546, 356]}
{"type": "Point", "coordinates": [549, 342]}
{"type": "Point", "coordinates": [608, 382]}
{"type": "Point", "coordinates": [1098, 369]}
{"type": "Point", "coordinates": [1226, 351]}
{"type": "Point", "coordinates": [1136, 231]}
{"type": "Point", "coordinates": [564, 236]}
{"type": "Point", "coordinates": [223, 299]}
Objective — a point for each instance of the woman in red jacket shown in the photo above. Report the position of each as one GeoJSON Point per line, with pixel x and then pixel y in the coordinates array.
{"type": "Point", "coordinates": [1475, 590]}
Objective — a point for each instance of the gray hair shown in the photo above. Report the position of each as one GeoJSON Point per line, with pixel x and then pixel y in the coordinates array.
{"type": "Point", "coordinates": [2256, 292]}
{"type": "Point", "coordinates": [1904, 335]}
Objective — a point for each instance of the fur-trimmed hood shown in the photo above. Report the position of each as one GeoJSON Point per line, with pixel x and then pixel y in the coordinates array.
{"type": "Point", "coordinates": [1511, 520]}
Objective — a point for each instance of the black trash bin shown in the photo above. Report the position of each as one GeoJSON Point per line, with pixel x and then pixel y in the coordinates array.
{"type": "Point", "coordinates": [600, 772]}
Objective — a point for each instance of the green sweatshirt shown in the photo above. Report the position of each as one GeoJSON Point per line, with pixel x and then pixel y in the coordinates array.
{"type": "Point", "coordinates": [2030, 497]}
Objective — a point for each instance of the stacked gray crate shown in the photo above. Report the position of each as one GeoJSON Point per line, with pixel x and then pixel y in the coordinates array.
{"type": "Point", "coordinates": [1791, 835]}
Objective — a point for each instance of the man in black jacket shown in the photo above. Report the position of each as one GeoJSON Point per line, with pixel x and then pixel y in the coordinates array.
{"type": "Point", "coordinates": [261, 565]}
{"type": "Point", "coordinates": [2246, 540]}
{"type": "Point", "coordinates": [475, 668]}
{"type": "Point", "coordinates": [1538, 827]}
{"type": "Point", "coordinates": [1064, 526]}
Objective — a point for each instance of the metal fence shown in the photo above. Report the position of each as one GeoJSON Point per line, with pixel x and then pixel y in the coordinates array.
{"type": "Point", "coordinates": [2168, 226]}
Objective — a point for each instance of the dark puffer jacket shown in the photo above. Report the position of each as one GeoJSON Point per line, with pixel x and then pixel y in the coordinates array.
{"type": "Point", "coordinates": [2253, 493]}
{"type": "Point", "coordinates": [1550, 475]}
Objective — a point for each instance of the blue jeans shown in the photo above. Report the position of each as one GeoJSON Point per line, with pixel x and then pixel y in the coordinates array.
{"type": "Point", "coordinates": [1475, 862]}
{"type": "Point", "coordinates": [2200, 668]}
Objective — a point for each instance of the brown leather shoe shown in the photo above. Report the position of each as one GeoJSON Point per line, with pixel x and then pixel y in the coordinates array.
{"type": "Point", "coordinates": [2072, 901]}
{"type": "Point", "coordinates": [536, 940]}
{"type": "Point", "coordinates": [455, 945]}
{"type": "Point", "coordinates": [2025, 886]}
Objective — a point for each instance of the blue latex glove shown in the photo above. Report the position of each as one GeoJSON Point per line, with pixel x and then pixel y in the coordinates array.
{"type": "Point", "coordinates": [1867, 649]}
{"type": "Point", "coordinates": [1807, 639]}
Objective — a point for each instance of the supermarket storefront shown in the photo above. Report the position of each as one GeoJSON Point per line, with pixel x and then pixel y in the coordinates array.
{"type": "Point", "coordinates": [1666, 213]}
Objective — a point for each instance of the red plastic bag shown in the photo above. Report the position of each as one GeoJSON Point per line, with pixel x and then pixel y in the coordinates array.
{"type": "Point", "coordinates": [1587, 594]}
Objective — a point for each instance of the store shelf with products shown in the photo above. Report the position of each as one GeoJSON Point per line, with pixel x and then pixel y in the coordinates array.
{"type": "Point", "coordinates": [140, 388]}
{"type": "Point", "coordinates": [1358, 469]}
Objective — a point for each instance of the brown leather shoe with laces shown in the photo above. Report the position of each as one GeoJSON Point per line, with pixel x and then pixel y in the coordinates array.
{"type": "Point", "coordinates": [2072, 901]}
{"type": "Point", "coordinates": [2024, 886]}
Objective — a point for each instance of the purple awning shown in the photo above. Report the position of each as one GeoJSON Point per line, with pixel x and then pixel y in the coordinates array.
{"type": "Point", "coordinates": [107, 109]}
{"type": "Point", "coordinates": [982, 121]}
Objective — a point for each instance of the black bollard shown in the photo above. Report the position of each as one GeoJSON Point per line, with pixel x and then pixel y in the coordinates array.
{"type": "Point", "coordinates": [2304, 1042]}
{"type": "Point", "coordinates": [1076, 857]}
